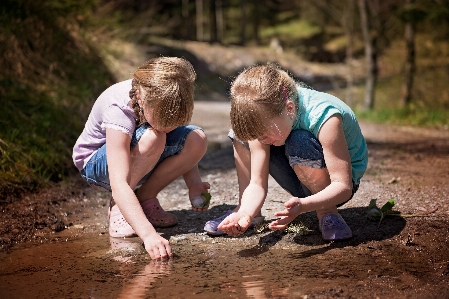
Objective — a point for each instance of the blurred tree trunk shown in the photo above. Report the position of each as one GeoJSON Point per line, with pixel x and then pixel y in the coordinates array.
{"type": "Point", "coordinates": [349, 31]}
{"type": "Point", "coordinates": [185, 8]}
{"type": "Point", "coordinates": [242, 22]}
{"type": "Point", "coordinates": [410, 65]}
{"type": "Point", "coordinates": [219, 19]}
{"type": "Point", "coordinates": [343, 14]}
{"type": "Point", "coordinates": [199, 20]}
{"type": "Point", "coordinates": [216, 21]}
{"type": "Point", "coordinates": [256, 21]}
{"type": "Point", "coordinates": [213, 21]}
{"type": "Point", "coordinates": [370, 58]}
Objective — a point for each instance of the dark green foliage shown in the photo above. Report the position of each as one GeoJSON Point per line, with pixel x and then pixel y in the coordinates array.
{"type": "Point", "coordinates": [412, 13]}
{"type": "Point", "coordinates": [49, 77]}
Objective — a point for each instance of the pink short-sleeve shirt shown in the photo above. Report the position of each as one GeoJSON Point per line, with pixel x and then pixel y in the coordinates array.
{"type": "Point", "coordinates": [111, 110]}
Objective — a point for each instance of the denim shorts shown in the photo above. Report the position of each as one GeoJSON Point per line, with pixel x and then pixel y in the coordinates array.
{"type": "Point", "coordinates": [96, 170]}
{"type": "Point", "coordinates": [301, 148]}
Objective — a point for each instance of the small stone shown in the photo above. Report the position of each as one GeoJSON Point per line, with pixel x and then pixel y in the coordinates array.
{"type": "Point", "coordinates": [198, 202]}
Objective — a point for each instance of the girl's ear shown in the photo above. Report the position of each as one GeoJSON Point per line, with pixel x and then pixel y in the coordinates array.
{"type": "Point", "coordinates": [290, 107]}
{"type": "Point", "coordinates": [139, 99]}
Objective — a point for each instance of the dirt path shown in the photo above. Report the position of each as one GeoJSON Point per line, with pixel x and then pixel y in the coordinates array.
{"type": "Point", "coordinates": [401, 257]}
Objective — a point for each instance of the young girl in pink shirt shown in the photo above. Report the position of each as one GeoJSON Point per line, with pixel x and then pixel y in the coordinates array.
{"type": "Point", "coordinates": [136, 141]}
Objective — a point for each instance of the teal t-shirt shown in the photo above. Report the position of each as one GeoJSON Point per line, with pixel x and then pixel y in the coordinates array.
{"type": "Point", "coordinates": [316, 107]}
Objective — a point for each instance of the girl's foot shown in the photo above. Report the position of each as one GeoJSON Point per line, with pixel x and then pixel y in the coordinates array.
{"type": "Point", "coordinates": [118, 226]}
{"type": "Point", "coordinates": [199, 202]}
{"type": "Point", "coordinates": [156, 215]}
{"type": "Point", "coordinates": [333, 227]}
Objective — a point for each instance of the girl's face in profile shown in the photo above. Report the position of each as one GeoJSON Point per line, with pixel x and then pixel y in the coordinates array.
{"type": "Point", "coordinates": [148, 114]}
{"type": "Point", "coordinates": [149, 117]}
{"type": "Point", "coordinates": [279, 127]}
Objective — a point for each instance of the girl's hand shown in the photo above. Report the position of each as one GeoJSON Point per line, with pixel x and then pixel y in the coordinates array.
{"type": "Point", "coordinates": [235, 224]}
{"type": "Point", "coordinates": [293, 209]}
{"type": "Point", "coordinates": [157, 247]}
{"type": "Point", "coordinates": [196, 190]}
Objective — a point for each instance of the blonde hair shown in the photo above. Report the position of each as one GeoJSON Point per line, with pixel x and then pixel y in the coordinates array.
{"type": "Point", "coordinates": [259, 93]}
{"type": "Point", "coordinates": [166, 86]}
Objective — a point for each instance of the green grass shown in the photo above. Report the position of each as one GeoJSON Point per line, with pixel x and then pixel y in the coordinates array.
{"type": "Point", "coordinates": [296, 29]}
{"type": "Point", "coordinates": [437, 118]}
{"type": "Point", "coordinates": [428, 111]}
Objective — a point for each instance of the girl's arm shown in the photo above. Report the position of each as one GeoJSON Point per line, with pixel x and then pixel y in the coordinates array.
{"type": "Point", "coordinates": [338, 163]}
{"type": "Point", "coordinates": [254, 195]}
{"type": "Point", "coordinates": [118, 155]}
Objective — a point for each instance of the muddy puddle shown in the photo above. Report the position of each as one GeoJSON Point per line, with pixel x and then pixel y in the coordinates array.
{"type": "Point", "coordinates": [103, 267]}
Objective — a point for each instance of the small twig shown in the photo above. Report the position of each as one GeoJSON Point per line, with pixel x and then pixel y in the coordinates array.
{"type": "Point", "coordinates": [422, 214]}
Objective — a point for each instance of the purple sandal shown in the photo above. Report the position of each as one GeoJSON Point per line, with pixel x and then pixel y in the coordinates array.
{"type": "Point", "coordinates": [333, 227]}
{"type": "Point", "coordinates": [211, 226]}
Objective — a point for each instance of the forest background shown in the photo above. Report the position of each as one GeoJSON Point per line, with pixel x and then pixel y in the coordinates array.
{"type": "Point", "coordinates": [389, 59]}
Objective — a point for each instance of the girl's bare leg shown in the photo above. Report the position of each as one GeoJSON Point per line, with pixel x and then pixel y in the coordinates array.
{"type": "Point", "coordinates": [183, 164]}
{"type": "Point", "coordinates": [316, 180]}
{"type": "Point", "coordinates": [145, 155]}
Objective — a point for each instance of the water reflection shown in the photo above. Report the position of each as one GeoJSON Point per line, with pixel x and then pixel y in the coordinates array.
{"type": "Point", "coordinates": [125, 249]}
{"type": "Point", "coordinates": [137, 287]}
{"type": "Point", "coordinates": [142, 281]}
{"type": "Point", "coordinates": [187, 274]}
{"type": "Point", "coordinates": [255, 288]}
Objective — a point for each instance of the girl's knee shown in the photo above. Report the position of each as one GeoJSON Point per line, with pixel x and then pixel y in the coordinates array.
{"type": "Point", "coordinates": [302, 138]}
{"type": "Point", "coordinates": [197, 141]}
{"type": "Point", "coordinates": [151, 142]}
{"type": "Point", "coordinates": [304, 146]}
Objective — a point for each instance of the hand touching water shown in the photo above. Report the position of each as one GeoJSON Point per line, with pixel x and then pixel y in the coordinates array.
{"type": "Point", "coordinates": [157, 247]}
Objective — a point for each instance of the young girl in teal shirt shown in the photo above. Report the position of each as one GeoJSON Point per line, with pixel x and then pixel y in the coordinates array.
{"type": "Point", "coordinates": [310, 142]}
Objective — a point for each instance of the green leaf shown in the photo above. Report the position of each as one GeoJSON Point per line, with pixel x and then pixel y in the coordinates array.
{"type": "Point", "coordinates": [388, 206]}
{"type": "Point", "coordinates": [207, 196]}
{"type": "Point", "coordinates": [374, 213]}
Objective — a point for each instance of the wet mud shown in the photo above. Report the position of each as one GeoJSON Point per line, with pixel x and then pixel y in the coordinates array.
{"type": "Point", "coordinates": [267, 265]}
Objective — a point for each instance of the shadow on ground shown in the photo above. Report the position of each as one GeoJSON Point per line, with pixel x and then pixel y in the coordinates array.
{"type": "Point", "coordinates": [364, 231]}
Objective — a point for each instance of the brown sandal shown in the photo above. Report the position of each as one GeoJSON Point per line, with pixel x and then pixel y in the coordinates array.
{"type": "Point", "coordinates": [156, 215]}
